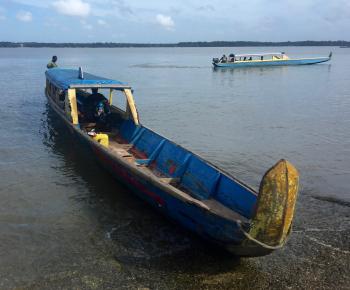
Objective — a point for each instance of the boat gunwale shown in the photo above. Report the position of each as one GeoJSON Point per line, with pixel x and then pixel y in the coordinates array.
{"type": "Point", "coordinates": [173, 191]}
{"type": "Point", "coordinates": [277, 60]}
{"type": "Point", "coordinates": [220, 170]}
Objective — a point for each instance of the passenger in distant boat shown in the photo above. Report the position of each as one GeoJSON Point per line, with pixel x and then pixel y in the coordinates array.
{"type": "Point", "coordinates": [231, 57]}
{"type": "Point", "coordinates": [250, 58]}
{"type": "Point", "coordinates": [245, 58]}
{"type": "Point", "coordinates": [261, 58]}
{"type": "Point", "coordinates": [53, 63]}
{"type": "Point", "coordinates": [223, 58]}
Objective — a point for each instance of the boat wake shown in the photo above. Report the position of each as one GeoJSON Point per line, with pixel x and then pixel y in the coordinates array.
{"type": "Point", "coordinates": [149, 65]}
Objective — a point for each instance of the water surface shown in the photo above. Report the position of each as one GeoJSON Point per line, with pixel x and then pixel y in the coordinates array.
{"type": "Point", "coordinates": [64, 222]}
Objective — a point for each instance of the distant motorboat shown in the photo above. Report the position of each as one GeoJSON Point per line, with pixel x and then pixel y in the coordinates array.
{"type": "Point", "coordinates": [264, 59]}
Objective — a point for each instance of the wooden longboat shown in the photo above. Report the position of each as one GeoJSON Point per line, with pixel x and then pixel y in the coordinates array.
{"type": "Point", "coordinates": [193, 192]}
{"type": "Point", "coordinates": [265, 59]}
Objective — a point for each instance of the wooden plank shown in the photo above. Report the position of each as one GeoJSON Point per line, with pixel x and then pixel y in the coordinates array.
{"type": "Point", "coordinates": [121, 152]}
{"type": "Point", "coordinates": [169, 180]}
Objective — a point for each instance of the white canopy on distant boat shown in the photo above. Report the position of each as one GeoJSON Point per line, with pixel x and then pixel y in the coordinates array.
{"type": "Point", "coordinates": [259, 54]}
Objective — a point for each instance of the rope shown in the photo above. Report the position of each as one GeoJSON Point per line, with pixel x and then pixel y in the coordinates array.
{"type": "Point", "coordinates": [248, 236]}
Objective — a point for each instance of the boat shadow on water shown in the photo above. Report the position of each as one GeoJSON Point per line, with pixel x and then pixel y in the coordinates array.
{"type": "Point", "coordinates": [130, 230]}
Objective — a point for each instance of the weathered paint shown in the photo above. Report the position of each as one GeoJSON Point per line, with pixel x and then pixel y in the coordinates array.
{"type": "Point", "coordinates": [276, 204]}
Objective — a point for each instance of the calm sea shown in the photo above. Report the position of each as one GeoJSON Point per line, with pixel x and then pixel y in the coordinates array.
{"type": "Point", "coordinates": [59, 210]}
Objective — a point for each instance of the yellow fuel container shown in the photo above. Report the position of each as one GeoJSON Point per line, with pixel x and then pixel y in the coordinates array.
{"type": "Point", "coordinates": [102, 139]}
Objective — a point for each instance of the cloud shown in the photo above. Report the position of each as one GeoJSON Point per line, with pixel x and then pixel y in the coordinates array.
{"type": "Point", "coordinates": [165, 21]}
{"type": "Point", "coordinates": [115, 8]}
{"type": "Point", "coordinates": [122, 6]}
{"type": "Point", "coordinates": [72, 7]}
{"type": "Point", "coordinates": [24, 16]}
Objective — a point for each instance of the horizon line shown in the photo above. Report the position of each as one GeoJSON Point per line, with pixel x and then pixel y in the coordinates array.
{"type": "Point", "coordinates": [216, 43]}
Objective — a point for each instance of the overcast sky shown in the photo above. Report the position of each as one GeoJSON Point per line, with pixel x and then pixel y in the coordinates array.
{"type": "Point", "coordinates": [173, 20]}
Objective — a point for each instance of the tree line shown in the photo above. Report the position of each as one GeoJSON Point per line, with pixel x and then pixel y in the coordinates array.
{"type": "Point", "coordinates": [179, 44]}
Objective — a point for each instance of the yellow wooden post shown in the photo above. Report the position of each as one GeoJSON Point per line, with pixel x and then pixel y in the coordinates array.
{"type": "Point", "coordinates": [132, 106]}
{"type": "Point", "coordinates": [72, 98]}
{"type": "Point", "coordinates": [110, 96]}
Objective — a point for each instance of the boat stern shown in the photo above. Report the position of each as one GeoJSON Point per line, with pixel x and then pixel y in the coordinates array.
{"type": "Point", "coordinates": [271, 224]}
{"type": "Point", "coordinates": [275, 205]}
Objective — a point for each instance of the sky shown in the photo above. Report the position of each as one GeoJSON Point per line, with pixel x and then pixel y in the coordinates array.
{"type": "Point", "coordinates": [140, 21]}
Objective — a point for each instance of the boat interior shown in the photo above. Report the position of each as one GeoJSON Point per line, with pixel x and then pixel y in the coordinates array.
{"type": "Point", "coordinates": [169, 162]}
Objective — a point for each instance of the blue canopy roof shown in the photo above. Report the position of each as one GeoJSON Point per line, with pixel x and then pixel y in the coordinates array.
{"type": "Point", "coordinates": [69, 78]}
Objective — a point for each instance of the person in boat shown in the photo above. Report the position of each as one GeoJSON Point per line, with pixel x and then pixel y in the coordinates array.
{"type": "Point", "coordinates": [223, 58]}
{"type": "Point", "coordinates": [98, 108]}
{"type": "Point", "coordinates": [232, 57]}
{"type": "Point", "coordinates": [88, 105]}
{"type": "Point", "coordinates": [53, 63]}
{"type": "Point", "coordinates": [101, 115]}
{"type": "Point", "coordinates": [95, 96]}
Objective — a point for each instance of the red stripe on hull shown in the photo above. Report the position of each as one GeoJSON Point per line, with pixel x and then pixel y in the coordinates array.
{"type": "Point", "coordinates": [124, 174]}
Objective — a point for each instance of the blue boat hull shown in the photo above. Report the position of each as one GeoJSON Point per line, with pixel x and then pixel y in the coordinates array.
{"type": "Point", "coordinates": [177, 182]}
{"type": "Point", "coordinates": [224, 232]}
{"type": "Point", "coordinates": [305, 61]}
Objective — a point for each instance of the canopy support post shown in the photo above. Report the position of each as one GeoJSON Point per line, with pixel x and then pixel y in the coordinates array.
{"type": "Point", "coordinates": [72, 108]}
{"type": "Point", "coordinates": [132, 106]}
{"type": "Point", "coordinates": [110, 100]}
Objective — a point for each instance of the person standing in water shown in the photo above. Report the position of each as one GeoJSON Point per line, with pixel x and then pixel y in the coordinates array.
{"type": "Point", "coordinates": [53, 63]}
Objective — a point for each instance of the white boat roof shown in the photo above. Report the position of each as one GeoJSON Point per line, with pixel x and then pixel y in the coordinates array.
{"type": "Point", "coordinates": [260, 54]}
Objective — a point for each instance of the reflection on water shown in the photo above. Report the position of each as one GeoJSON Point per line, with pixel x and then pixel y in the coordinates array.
{"type": "Point", "coordinates": [249, 70]}
{"type": "Point", "coordinates": [162, 66]}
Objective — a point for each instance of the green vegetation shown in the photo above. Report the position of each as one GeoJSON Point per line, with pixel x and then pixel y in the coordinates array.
{"type": "Point", "coordinates": [180, 44]}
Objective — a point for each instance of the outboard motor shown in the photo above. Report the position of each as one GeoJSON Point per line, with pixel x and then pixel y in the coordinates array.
{"type": "Point", "coordinates": [215, 60]}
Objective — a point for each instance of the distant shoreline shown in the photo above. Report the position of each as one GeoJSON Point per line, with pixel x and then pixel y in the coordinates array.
{"type": "Point", "coordinates": [179, 44]}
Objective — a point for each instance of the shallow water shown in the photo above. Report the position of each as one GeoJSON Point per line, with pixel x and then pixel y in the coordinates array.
{"type": "Point", "coordinates": [64, 221]}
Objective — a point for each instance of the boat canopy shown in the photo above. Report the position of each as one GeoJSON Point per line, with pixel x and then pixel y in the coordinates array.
{"type": "Point", "coordinates": [260, 54]}
{"type": "Point", "coordinates": [74, 78]}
